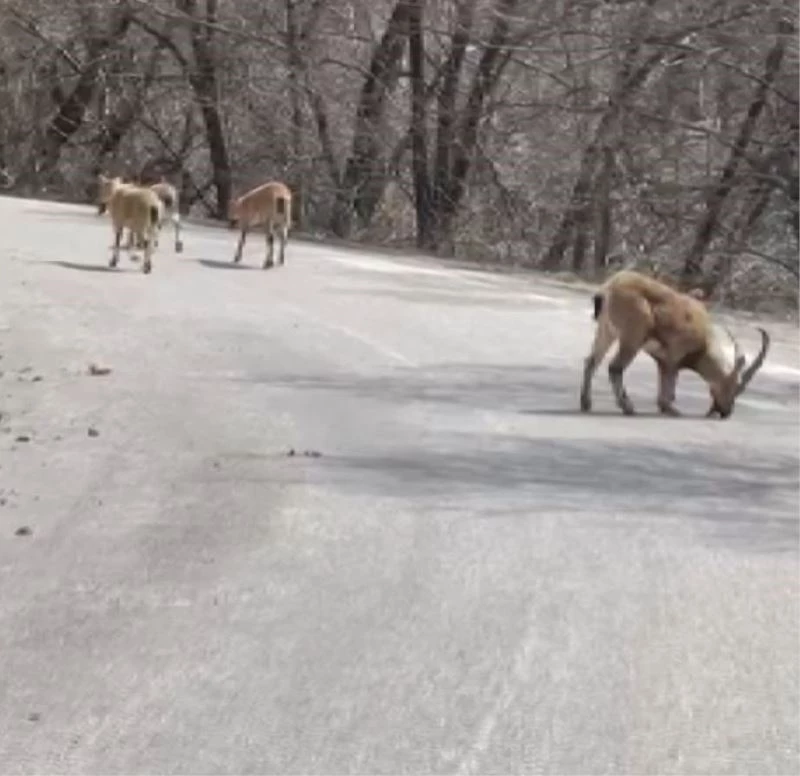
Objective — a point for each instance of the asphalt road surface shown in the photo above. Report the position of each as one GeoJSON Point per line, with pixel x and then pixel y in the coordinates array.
{"type": "Point", "coordinates": [455, 572]}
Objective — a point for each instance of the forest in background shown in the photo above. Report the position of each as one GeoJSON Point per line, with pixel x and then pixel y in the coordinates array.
{"type": "Point", "coordinates": [569, 136]}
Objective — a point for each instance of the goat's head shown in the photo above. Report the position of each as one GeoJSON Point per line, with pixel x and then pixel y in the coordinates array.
{"type": "Point", "coordinates": [105, 188]}
{"type": "Point", "coordinates": [725, 391]}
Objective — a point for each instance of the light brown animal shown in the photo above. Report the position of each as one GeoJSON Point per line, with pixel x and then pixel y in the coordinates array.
{"type": "Point", "coordinates": [166, 192]}
{"type": "Point", "coordinates": [269, 204]}
{"type": "Point", "coordinates": [673, 328]}
{"type": "Point", "coordinates": [137, 209]}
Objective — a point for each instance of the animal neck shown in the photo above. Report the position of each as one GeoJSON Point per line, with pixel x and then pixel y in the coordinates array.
{"type": "Point", "coordinates": [710, 369]}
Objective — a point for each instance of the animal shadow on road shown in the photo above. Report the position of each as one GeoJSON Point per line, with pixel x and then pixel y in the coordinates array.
{"type": "Point", "coordinates": [217, 264]}
{"type": "Point", "coordinates": [609, 412]}
{"type": "Point", "coordinates": [89, 267]}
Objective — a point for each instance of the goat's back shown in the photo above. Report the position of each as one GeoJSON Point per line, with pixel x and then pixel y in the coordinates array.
{"type": "Point", "coordinates": [636, 301]}
{"type": "Point", "coordinates": [133, 207]}
{"type": "Point", "coordinates": [270, 201]}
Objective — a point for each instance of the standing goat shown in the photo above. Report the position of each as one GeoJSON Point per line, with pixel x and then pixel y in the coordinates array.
{"type": "Point", "coordinates": [269, 204]}
{"type": "Point", "coordinates": [165, 191]}
{"type": "Point", "coordinates": [675, 330]}
{"type": "Point", "coordinates": [137, 209]}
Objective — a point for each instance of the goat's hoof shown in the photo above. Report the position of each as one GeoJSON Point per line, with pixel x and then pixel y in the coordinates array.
{"type": "Point", "coordinates": [586, 404]}
{"type": "Point", "coordinates": [267, 265]}
{"type": "Point", "coordinates": [627, 409]}
{"type": "Point", "coordinates": [179, 247]}
{"type": "Point", "coordinates": [113, 263]}
{"type": "Point", "coordinates": [147, 267]}
{"type": "Point", "coordinates": [669, 410]}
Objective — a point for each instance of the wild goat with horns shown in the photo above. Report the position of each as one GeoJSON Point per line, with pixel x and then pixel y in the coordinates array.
{"type": "Point", "coordinates": [675, 330]}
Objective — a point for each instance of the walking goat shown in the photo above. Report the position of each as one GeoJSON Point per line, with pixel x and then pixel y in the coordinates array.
{"type": "Point", "coordinates": [269, 204]}
{"type": "Point", "coordinates": [168, 195]}
{"type": "Point", "coordinates": [675, 330]}
{"type": "Point", "coordinates": [165, 191]}
{"type": "Point", "coordinates": [137, 209]}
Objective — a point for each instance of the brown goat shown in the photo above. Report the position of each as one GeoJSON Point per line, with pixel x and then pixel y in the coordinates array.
{"type": "Point", "coordinates": [269, 204]}
{"type": "Point", "coordinates": [675, 330]}
{"type": "Point", "coordinates": [165, 191]}
{"type": "Point", "coordinates": [137, 209]}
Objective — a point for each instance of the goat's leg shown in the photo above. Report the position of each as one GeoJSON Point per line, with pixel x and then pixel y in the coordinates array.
{"type": "Point", "coordinates": [603, 340]}
{"type": "Point", "coordinates": [135, 243]}
{"type": "Point", "coordinates": [269, 261]}
{"type": "Point", "coordinates": [284, 234]}
{"type": "Point", "coordinates": [148, 239]}
{"type": "Point", "coordinates": [176, 220]}
{"type": "Point", "coordinates": [115, 248]}
{"type": "Point", "coordinates": [628, 348]}
{"type": "Point", "coordinates": [237, 257]}
{"type": "Point", "coordinates": [667, 379]}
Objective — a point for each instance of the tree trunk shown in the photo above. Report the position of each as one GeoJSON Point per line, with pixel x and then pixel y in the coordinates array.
{"type": "Point", "coordinates": [446, 112]}
{"type": "Point", "coordinates": [117, 126]}
{"type": "Point", "coordinates": [72, 107]}
{"type": "Point", "coordinates": [604, 214]}
{"type": "Point", "coordinates": [364, 179]}
{"type": "Point", "coordinates": [294, 56]}
{"type": "Point", "coordinates": [693, 263]}
{"type": "Point", "coordinates": [629, 79]}
{"type": "Point", "coordinates": [455, 150]}
{"type": "Point", "coordinates": [418, 128]}
{"type": "Point", "coordinates": [203, 78]}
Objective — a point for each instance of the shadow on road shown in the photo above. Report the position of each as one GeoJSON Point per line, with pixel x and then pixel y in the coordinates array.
{"type": "Point", "coordinates": [546, 390]}
{"type": "Point", "coordinates": [217, 264]}
{"type": "Point", "coordinates": [567, 412]}
{"type": "Point", "coordinates": [424, 290]}
{"type": "Point", "coordinates": [738, 479]}
{"type": "Point", "coordinates": [70, 215]}
{"type": "Point", "coordinates": [749, 503]}
{"type": "Point", "coordinates": [89, 267]}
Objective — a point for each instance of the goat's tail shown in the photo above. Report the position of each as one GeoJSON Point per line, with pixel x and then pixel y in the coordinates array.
{"type": "Point", "coordinates": [598, 305]}
{"type": "Point", "coordinates": [281, 206]}
{"type": "Point", "coordinates": [154, 215]}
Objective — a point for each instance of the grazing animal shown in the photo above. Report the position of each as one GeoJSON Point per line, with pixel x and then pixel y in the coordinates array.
{"type": "Point", "coordinates": [166, 192]}
{"type": "Point", "coordinates": [675, 330]}
{"type": "Point", "coordinates": [137, 209]}
{"type": "Point", "coordinates": [269, 204]}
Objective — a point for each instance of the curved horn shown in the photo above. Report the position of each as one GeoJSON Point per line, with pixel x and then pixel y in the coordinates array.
{"type": "Point", "coordinates": [751, 370]}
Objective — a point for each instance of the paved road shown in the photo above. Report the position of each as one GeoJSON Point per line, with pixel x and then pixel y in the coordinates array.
{"type": "Point", "coordinates": [469, 578]}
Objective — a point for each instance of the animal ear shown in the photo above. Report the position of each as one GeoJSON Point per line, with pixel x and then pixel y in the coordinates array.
{"type": "Point", "coordinates": [697, 293]}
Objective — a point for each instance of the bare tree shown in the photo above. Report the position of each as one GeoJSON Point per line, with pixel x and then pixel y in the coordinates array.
{"type": "Point", "coordinates": [579, 135]}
